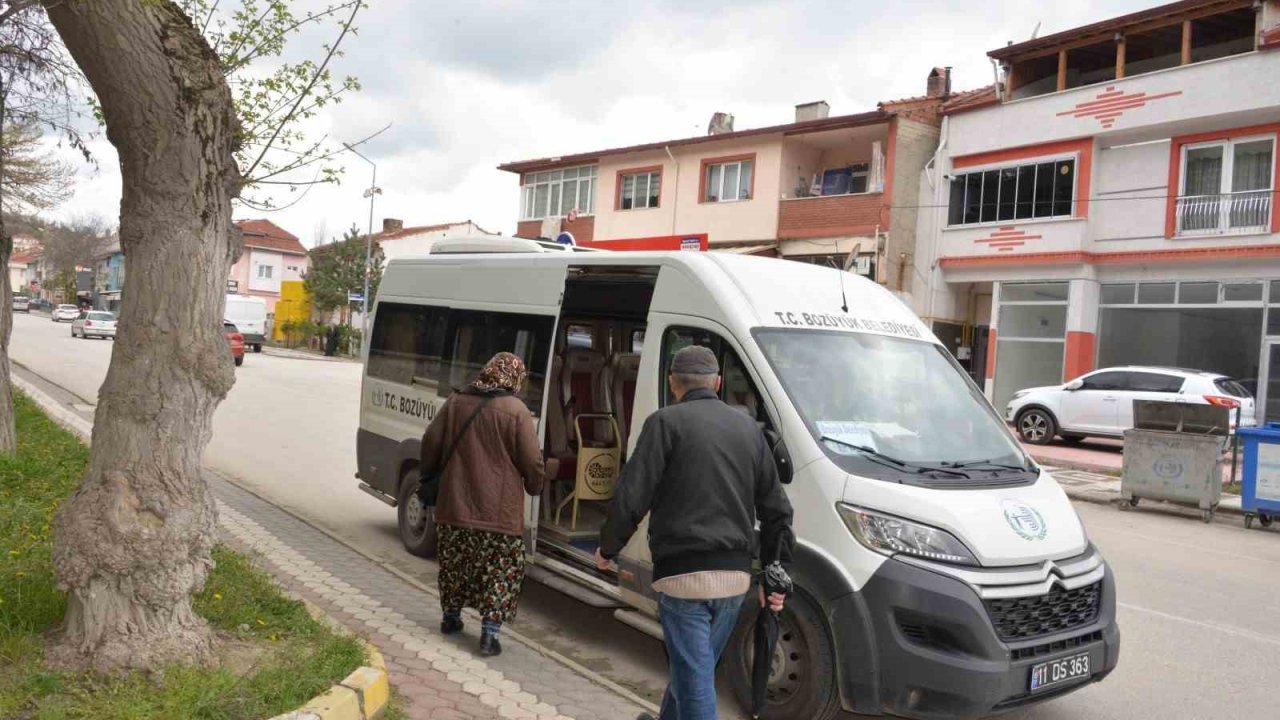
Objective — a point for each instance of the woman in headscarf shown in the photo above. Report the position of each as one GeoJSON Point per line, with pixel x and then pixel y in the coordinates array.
{"type": "Point", "coordinates": [485, 440]}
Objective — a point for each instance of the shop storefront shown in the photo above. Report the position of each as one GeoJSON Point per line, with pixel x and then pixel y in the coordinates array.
{"type": "Point", "coordinates": [1051, 332]}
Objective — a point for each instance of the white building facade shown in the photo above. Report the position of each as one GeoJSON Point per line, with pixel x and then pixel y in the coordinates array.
{"type": "Point", "coordinates": [1114, 202]}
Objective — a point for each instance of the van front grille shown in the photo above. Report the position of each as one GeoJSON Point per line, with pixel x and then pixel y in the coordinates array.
{"type": "Point", "coordinates": [1057, 611]}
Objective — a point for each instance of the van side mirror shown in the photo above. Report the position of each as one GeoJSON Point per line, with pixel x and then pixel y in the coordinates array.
{"type": "Point", "coordinates": [1075, 385]}
{"type": "Point", "coordinates": [781, 456]}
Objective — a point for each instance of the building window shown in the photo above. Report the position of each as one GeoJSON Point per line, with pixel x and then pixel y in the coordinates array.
{"type": "Point", "coordinates": [1226, 187]}
{"type": "Point", "coordinates": [1031, 340]}
{"type": "Point", "coordinates": [264, 272]}
{"type": "Point", "coordinates": [728, 180]}
{"type": "Point", "coordinates": [555, 192]}
{"type": "Point", "coordinates": [639, 189]}
{"type": "Point", "coordinates": [1021, 192]}
{"type": "Point", "coordinates": [846, 180]}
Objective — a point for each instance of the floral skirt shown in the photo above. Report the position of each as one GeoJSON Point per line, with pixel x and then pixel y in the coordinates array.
{"type": "Point", "coordinates": [481, 570]}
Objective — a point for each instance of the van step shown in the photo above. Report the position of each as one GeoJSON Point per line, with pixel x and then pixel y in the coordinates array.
{"type": "Point", "coordinates": [639, 621]}
{"type": "Point", "coordinates": [378, 494]}
{"type": "Point", "coordinates": [574, 590]}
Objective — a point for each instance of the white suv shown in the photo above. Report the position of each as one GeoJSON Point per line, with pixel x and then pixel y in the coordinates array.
{"type": "Point", "coordinates": [1101, 403]}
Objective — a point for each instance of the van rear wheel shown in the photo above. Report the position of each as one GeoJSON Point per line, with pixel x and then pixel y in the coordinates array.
{"type": "Point", "coordinates": [417, 522]}
{"type": "Point", "coordinates": [802, 682]}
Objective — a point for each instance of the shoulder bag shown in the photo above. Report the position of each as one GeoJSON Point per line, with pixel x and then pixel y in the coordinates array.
{"type": "Point", "coordinates": [429, 489]}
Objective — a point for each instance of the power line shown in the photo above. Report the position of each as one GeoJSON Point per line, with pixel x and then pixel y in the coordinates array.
{"type": "Point", "coordinates": [895, 206]}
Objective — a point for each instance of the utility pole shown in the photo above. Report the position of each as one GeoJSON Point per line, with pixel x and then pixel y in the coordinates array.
{"type": "Point", "coordinates": [368, 245]}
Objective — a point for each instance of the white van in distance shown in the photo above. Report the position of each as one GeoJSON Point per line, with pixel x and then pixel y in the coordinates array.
{"type": "Point", "coordinates": [249, 315]}
{"type": "Point", "coordinates": [939, 572]}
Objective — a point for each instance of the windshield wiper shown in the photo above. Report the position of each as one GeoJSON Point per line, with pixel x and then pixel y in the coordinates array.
{"type": "Point", "coordinates": [889, 460]}
{"type": "Point", "coordinates": [988, 463]}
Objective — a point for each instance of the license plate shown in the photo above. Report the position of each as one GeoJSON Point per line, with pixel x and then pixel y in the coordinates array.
{"type": "Point", "coordinates": [1060, 671]}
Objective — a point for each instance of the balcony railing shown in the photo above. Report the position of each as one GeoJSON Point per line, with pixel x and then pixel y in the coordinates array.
{"type": "Point", "coordinates": [1239, 213]}
{"type": "Point", "coordinates": [831, 215]}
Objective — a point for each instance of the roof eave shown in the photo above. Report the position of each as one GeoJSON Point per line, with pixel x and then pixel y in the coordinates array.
{"type": "Point", "coordinates": [831, 123]}
{"type": "Point", "coordinates": [1103, 28]}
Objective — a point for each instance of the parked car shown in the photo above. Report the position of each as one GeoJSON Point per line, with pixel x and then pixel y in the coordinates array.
{"type": "Point", "coordinates": [94, 323]}
{"type": "Point", "coordinates": [236, 340]}
{"type": "Point", "coordinates": [65, 313]}
{"type": "Point", "coordinates": [21, 303]}
{"type": "Point", "coordinates": [1101, 402]}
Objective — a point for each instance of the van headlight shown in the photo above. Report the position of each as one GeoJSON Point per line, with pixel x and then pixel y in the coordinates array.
{"type": "Point", "coordinates": [890, 535]}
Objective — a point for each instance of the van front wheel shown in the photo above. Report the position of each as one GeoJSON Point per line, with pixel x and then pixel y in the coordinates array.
{"type": "Point", "coordinates": [417, 521]}
{"type": "Point", "coordinates": [802, 682]}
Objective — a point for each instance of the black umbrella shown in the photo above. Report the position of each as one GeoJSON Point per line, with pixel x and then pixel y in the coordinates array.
{"type": "Point", "coordinates": [775, 580]}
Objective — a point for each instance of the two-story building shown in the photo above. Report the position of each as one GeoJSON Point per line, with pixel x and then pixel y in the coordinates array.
{"type": "Point", "coordinates": [396, 240]}
{"type": "Point", "coordinates": [271, 255]}
{"type": "Point", "coordinates": [814, 190]}
{"type": "Point", "coordinates": [108, 277]}
{"type": "Point", "coordinates": [1113, 202]}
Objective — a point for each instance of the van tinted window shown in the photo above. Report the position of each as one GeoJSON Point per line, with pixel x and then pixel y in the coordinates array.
{"type": "Point", "coordinates": [407, 343]}
{"type": "Point", "coordinates": [475, 336]}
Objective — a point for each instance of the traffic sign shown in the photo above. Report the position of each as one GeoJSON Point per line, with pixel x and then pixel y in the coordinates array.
{"type": "Point", "coordinates": [355, 297]}
{"type": "Point", "coordinates": [566, 238]}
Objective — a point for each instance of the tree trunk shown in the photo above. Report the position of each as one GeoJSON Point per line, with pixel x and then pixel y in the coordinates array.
{"type": "Point", "coordinates": [8, 434]}
{"type": "Point", "coordinates": [132, 544]}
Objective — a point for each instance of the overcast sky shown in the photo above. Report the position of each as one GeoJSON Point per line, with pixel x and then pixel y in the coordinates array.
{"type": "Point", "coordinates": [470, 84]}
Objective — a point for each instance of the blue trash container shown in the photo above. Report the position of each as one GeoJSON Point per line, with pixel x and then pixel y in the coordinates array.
{"type": "Point", "coordinates": [1260, 493]}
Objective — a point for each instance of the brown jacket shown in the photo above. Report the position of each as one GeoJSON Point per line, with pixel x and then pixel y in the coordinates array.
{"type": "Point", "coordinates": [492, 468]}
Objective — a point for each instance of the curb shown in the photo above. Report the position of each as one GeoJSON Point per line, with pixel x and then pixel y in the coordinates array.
{"type": "Point", "coordinates": [1105, 497]}
{"type": "Point", "coordinates": [1045, 461]}
{"type": "Point", "coordinates": [362, 695]}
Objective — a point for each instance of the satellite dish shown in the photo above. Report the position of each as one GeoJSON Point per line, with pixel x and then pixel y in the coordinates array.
{"type": "Point", "coordinates": [852, 258]}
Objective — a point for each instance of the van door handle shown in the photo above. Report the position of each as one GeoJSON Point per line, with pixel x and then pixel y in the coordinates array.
{"type": "Point", "coordinates": [1111, 399]}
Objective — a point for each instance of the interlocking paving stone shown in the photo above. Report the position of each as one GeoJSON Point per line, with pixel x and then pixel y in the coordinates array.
{"type": "Point", "coordinates": [436, 677]}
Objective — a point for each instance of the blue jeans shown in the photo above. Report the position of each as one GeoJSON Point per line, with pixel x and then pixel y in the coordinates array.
{"type": "Point", "coordinates": [696, 632]}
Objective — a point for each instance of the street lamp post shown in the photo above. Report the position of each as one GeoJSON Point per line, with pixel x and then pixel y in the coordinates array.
{"type": "Point", "coordinates": [368, 245]}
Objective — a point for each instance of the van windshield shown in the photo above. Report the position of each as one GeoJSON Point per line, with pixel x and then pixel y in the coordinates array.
{"type": "Point", "coordinates": [893, 408]}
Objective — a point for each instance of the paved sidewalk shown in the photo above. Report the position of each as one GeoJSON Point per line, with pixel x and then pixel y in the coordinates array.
{"type": "Point", "coordinates": [303, 354]}
{"type": "Point", "coordinates": [437, 677]}
{"type": "Point", "coordinates": [1099, 488]}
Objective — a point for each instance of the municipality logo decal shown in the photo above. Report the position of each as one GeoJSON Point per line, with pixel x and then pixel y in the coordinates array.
{"type": "Point", "coordinates": [1024, 519]}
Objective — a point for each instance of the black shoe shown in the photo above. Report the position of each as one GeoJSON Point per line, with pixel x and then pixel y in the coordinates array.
{"type": "Point", "coordinates": [450, 626]}
{"type": "Point", "coordinates": [645, 716]}
{"type": "Point", "coordinates": [489, 646]}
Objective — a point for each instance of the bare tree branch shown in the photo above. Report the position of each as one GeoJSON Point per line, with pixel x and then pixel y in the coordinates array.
{"type": "Point", "coordinates": [333, 49]}
{"type": "Point", "coordinates": [256, 51]}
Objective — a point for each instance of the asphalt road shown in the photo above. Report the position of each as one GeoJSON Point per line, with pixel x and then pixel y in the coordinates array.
{"type": "Point", "coordinates": [1199, 605]}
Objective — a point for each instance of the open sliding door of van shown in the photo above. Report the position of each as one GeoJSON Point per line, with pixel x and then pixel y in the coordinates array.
{"type": "Point", "coordinates": [590, 398]}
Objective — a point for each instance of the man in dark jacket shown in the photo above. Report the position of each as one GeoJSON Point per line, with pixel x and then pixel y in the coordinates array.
{"type": "Point", "coordinates": [703, 472]}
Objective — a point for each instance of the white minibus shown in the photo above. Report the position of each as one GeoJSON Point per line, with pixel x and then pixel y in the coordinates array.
{"type": "Point", "coordinates": [940, 572]}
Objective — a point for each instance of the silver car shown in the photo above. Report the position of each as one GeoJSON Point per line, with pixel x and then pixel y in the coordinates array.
{"type": "Point", "coordinates": [64, 312]}
{"type": "Point", "coordinates": [21, 303]}
{"type": "Point", "coordinates": [94, 323]}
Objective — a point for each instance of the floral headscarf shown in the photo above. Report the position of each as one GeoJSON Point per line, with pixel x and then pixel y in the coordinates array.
{"type": "Point", "coordinates": [504, 371]}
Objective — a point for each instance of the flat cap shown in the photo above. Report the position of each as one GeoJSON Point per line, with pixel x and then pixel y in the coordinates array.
{"type": "Point", "coordinates": [695, 360]}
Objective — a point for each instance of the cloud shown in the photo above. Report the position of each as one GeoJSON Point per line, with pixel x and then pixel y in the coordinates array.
{"type": "Point", "coordinates": [469, 85]}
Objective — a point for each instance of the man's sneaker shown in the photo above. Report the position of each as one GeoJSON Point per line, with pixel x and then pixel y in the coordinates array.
{"type": "Point", "coordinates": [645, 716]}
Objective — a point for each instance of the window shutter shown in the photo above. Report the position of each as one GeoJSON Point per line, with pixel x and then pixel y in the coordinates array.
{"type": "Point", "coordinates": [877, 168]}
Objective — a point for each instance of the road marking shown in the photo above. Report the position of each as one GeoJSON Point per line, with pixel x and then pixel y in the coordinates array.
{"type": "Point", "coordinates": [1216, 627]}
